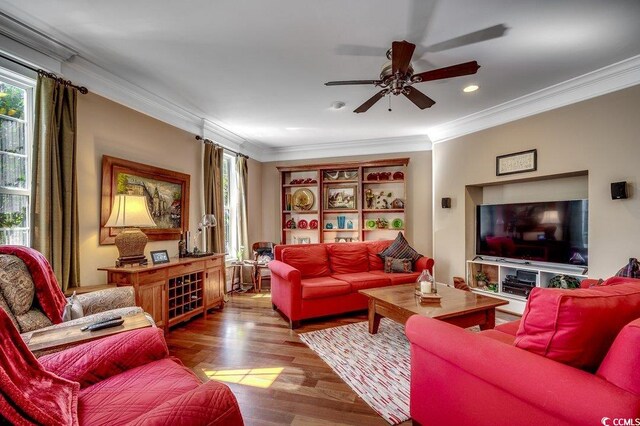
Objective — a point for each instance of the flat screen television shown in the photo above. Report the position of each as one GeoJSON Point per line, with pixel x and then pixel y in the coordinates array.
{"type": "Point", "coordinates": [553, 231]}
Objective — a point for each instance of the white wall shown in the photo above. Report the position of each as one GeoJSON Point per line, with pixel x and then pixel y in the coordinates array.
{"type": "Point", "coordinates": [600, 136]}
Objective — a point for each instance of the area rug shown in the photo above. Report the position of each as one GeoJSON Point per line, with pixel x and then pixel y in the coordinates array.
{"type": "Point", "coordinates": [376, 366]}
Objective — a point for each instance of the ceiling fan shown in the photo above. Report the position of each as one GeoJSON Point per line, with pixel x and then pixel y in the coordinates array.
{"type": "Point", "coordinates": [397, 77]}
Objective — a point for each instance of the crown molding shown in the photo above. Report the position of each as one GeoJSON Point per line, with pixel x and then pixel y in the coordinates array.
{"type": "Point", "coordinates": [609, 79]}
{"type": "Point", "coordinates": [34, 39]}
{"type": "Point", "coordinates": [348, 148]}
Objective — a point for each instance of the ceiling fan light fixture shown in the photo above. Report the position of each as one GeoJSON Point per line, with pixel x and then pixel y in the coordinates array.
{"type": "Point", "coordinates": [470, 88]}
{"type": "Point", "coordinates": [337, 105]}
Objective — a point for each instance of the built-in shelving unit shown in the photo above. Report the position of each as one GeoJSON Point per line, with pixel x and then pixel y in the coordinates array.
{"type": "Point", "coordinates": [497, 273]}
{"type": "Point", "coordinates": [378, 187]}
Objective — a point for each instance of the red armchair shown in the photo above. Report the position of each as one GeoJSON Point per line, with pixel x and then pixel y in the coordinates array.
{"type": "Point", "coordinates": [123, 379]}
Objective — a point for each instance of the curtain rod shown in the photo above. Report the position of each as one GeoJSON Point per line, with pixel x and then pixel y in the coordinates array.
{"type": "Point", "coordinates": [200, 138]}
{"type": "Point", "coordinates": [42, 72]}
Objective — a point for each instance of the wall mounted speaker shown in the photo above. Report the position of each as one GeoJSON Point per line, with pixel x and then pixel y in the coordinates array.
{"type": "Point", "coordinates": [619, 190]}
{"type": "Point", "coordinates": [446, 203]}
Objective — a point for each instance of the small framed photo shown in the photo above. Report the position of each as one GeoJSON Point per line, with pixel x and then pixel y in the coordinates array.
{"type": "Point", "coordinates": [341, 197]}
{"type": "Point", "coordinates": [159, 256]}
{"type": "Point", "coordinates": [518, 162]}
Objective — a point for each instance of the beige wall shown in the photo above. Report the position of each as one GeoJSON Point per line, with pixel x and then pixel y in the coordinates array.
{"type": "Point", "coordinates": [600, 135]}
{"type": "Point", "coordinates": [108, 128]}
{"type": "Point", "coordinates": [418, 214]}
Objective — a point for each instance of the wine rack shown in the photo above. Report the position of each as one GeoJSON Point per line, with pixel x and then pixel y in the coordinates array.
{"type": "Point", "coordinates": [185, 295]}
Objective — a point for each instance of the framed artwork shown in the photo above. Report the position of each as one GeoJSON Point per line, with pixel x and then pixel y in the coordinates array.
{"type": "Point", "coordinates": [167, 194]}
{"type": "Point", "coordinates": [341, 197]}
{"type": "Point", "coordinates": [518, 162]}
{"type": "Point", "coordinates": [159, 256]}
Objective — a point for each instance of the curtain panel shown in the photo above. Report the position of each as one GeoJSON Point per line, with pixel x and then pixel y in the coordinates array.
{"type": "Point", "coordinates": [54, 189]}
{"type": "Point", "coordinates": [242, 180]}
{"type": "Point", "coordinates": [213, 197]}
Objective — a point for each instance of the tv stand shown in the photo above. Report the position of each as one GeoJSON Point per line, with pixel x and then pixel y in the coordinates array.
{"type": "Point", "coordinates": [497, 271]}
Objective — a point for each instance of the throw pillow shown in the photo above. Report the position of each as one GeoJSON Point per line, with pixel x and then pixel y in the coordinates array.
{"type": "Point", "coordinates": [73, 309]}
{"type": "Point", "coordinates": [16, 284]}
{"type": "Point", "coordinates": [630, 270]}
{"type": "Point", "coordinates": [392, 265]}
{"type": "Point", "coordinates": [400, 249]}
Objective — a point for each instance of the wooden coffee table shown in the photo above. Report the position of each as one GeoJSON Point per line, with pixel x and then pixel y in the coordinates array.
{"type": "Point", "coordinates": [457, 307]}
{"type": "Point", "coordinates": [63, 337]}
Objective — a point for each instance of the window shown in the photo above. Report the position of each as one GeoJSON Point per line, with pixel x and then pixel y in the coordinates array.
{"type": "Point", "coordinates": [230, 202]}
{"type": "Point", "coordinates": [16, 112]}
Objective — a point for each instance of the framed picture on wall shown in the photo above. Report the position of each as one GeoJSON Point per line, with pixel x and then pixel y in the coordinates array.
{"type": "Point", "coordinates": [341, 197]}
{"type": "Point", "coordinates": [518, 162]}
{"type": "Point", "coordinates": [166, 191]}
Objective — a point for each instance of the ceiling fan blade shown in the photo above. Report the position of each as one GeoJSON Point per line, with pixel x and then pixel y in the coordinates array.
{"type": "Point", "coordinates": [447, 72]}
{"type": "Point", "coordinates": [474, 37]}
{"type": "Point", "coordinates": [360, 50]}
{"type": "Point", "coordinates": [348, 82]}
{"type": "Point", "coordinates": [375, 98]}
{"type": "Point", "coordinates": [401, 53]}
{"type": "Point", "coordinates": [421, 100]}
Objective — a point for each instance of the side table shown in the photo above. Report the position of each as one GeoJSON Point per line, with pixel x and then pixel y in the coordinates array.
{"type": "Point", "coordinates": [62, 337]}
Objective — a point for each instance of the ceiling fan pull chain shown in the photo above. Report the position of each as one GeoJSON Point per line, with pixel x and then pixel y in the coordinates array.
{"type": "Point", "coordinates": [389, 103]}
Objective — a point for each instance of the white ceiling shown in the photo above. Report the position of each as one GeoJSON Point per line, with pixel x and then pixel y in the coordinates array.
{"type": "Point", "coordinates": [257, 68]}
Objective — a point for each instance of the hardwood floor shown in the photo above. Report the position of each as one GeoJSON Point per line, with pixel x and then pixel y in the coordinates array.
{"type": "Point", "coordinates": [276, 378]}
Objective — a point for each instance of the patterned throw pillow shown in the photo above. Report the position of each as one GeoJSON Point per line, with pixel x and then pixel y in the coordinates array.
{"type": "Point", "coordinates": [392, 265]}
{"type": "Point", "coordinates": [73, 309]}
{"type": "Point", "coordinates": [400, 249]}
{"type": "Point", "coordinates": [16, 284]}
{"type": "Point", "coordinates": [630, 270]}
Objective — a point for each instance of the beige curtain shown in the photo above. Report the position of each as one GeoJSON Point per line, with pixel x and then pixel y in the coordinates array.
{"type": "Point", "coordinates": [213, 196]}
{"type": "Point", "coordinates": [54, 201]}
{"type": "Point", "coordinates": [242, 179]}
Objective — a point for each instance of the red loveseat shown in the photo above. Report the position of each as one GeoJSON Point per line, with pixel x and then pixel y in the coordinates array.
{"type": "Point", "coordinates": [315, 280]}
{"type": "Point", "coordinates": [526, 372]}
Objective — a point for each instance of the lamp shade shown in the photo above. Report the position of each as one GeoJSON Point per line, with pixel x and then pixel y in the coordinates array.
{"type": "Point", "coordinates": [209, 221]}
{"type": "Point", "coordinates": [130, 211]}
{"type": "Point", "coordinates": [550, 217]}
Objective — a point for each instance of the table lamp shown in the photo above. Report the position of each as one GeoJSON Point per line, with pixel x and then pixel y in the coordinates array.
{"type": "Point", "coordinates": [130, 212]}
{"type": "Point", "coordinates": [208, 221]}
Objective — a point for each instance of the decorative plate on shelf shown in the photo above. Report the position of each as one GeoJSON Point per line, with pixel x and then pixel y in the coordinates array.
{"type": "Point", "coordinates": [302, 224]}
{"type": "Point", "coordinates": [397, 223]}
{"type": "Point", "coordinates": [313, 224]}
{"type": "Point", "coordinates": [398, 176]}
{"type": "Point", "coordinates": [302, 199]}
{"type": "Point", "coordinates": [371, 224]}
{"type": "Point", "coordinates": [291, 224]}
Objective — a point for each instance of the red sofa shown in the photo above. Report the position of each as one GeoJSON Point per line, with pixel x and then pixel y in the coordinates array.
{"type": "Point", "coordinates": [525, 372]}
{"type": "Point", "coordinates": [315, 280]}
{"type": "Point", "coordinates": [127, 378]}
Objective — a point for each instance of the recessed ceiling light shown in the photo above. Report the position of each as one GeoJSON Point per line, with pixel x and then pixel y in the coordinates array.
{"type": "Point", "coordinates": [470, 88]}
{"type": "Point", "coordinates": [337, 105]}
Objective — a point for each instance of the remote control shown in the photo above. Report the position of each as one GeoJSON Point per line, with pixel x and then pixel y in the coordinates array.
{"type": "Point", "coordinates": [86, 327]}
{"type": "Point", "coordinates": [108, 324]}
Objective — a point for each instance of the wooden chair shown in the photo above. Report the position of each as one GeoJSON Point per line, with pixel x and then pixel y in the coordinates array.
{"type": "Point", "coordinates": [262, 250]}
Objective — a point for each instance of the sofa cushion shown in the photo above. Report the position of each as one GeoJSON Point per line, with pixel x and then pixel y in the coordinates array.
{"type": "Point", "coordinates": [312, 261]}
{"type": "Point", "coordinates": [577, 327]}
{"type": "Point", "coordinates": [392, 265]}
{"type": "Point", "coordinates": [373, 248]}
{"type": "Point", "coordinates": [499, 336]}
{"type": "Point", "coordinates": [400, 249]}
{"type": "Point", "coordinates": [16, 284]}
{"type": "Point", "coordinates": [33, 319]}
{"type": "Point", "coordinates": [510, 327]}
{"type": "Point", "coordinates": [315, 288]}
{"type": "Point", "coordinates": [363, 280]}
{"type": "Point", "coordinates": [621, 366]}
{"type": "Point", "coordinates": [399, 278]}
{"type": "Point", "coordinates": [346, 258]}
{"type": "Point", "coordinates": [121, 398]}
{"type": "Point", "coordinates": [5, 307]}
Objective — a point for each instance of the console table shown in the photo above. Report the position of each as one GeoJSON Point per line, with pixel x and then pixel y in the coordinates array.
{"type": "Point", "coordinates": [176, 291]}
